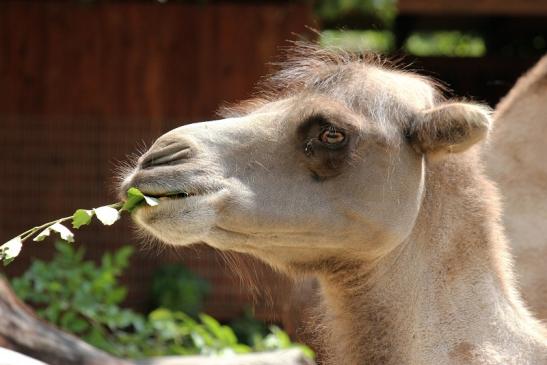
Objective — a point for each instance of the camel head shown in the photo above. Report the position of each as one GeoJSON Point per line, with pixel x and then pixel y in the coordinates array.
{"type": "Point", "coordinates": [328, 163]}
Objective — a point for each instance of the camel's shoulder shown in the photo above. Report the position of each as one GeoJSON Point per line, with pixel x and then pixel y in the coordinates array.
{"type": "Point", "coordinates": [532, 82]}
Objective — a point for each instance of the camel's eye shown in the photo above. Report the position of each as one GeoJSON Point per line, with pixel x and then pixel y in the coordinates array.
{"type": "Point", "coordinates": [332, 136]}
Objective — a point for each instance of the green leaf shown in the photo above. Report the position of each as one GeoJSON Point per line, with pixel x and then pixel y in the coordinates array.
{"type": "Point", "coordinates": [121, 257]}
{"type": "Point", "coordinates": [306, 351]}
{"type": "Point", "coordinates": [160, 314]}
{"type": "Point", "coordinates": [72, 322]}
{"type": "Point", "coordinates": [134, 198]}
{"type": "Point", "coordinates": [213, 326]}
{"type": "Point", "coordinates": [117, 295]}
{"type": "Point", "coordinates": [79, 325]}
{"type": "Point", "coordinates": [81, 217]}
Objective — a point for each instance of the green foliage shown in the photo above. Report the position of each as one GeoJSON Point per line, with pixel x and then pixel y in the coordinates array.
{"type": "Point", "coordinates": [263, 338]}
{"type": "Point", "coordinates": [80, 296]}
{"type": "Point", "coordinates": [447, 43]}
{"type": "Point", "coordinates": [84, 298]}
{"type": "Point", "coordinates": [358, 40]}
{"type": "Point", "coordinates": [135, 197]}
{"type": "Point", "coordinates": [248, 329]}
{"type": "Point", "coordinates": [81, 217]}
{"type": "Point", "coordinates": [436, 43]}
{"type": "Point", "coordinates": [440, 43]}
{"type": "Point", "coordinates": [176, 333]}
{"type": "Point", "coordinates": [176, 288]}
{"type": "Point", "coordinates": [384, 10]}
{"type": "Point", "coordinates": [278, 339]}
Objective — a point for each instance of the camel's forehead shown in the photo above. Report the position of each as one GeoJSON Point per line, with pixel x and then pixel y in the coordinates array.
{"type": "Point", "coordinates": [406, 88]}
{"type": "Point", "coordinates": [367, 85]}
{"type": "Point", "coordinates": [377, 89]}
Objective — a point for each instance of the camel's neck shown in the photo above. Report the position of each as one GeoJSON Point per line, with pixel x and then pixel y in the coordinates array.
{"type": "Point", "coordinates": [444, 296]}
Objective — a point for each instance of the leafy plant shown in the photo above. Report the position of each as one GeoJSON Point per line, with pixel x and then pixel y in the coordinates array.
{"type": "Point", "coordinates": [176, 333]}
{"type": "Point", "coordinates": [279, 339]}
{"type": "Point", "coordinates": [176, 288]}
{"type": "Point", "coordinates": [107, 214]}
{"type": "Point", "coordinates": [445, 43]}
{"type": "Point", "coordinates": [84, 298]}
{"type": "Point", "coordinates": [383, 10]}
{"type": "Point", "coordinates": [261, 337]}
{"type": "Point", "coordinates": [249, 329]}
{"type": "Point", "coordinates": [358, 40]}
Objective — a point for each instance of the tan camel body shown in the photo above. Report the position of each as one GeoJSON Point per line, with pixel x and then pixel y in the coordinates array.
{"type": "Point", "coordinates": [364, 177]}
{"type": "Point", "coordinates": [516, 161]}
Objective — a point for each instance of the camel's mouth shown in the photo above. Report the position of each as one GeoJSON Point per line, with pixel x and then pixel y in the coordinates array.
{"type": "Point", "coordinates": [172, 195]}
{"type": "Point", "coordinates": [178, 195]}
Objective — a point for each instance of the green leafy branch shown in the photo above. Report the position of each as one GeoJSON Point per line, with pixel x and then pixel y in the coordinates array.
{"type": "Point", "coordinates": [107, 215]}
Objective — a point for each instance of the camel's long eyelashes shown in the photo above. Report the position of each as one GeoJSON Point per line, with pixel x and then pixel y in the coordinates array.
{"type": "Point", "coordinates": [317, 129]}
{"type": "Point", "coordinates": [332, 136]}
{"type": "Point", "coordinates": [314, 121]}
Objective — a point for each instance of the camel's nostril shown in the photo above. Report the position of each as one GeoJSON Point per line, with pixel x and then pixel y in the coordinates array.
{"type": "Point", "coordinates": [170, 155]}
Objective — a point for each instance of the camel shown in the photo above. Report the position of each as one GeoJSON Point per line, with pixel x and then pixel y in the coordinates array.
{"type": "Point", "coordinates": [361, 175]}
{"type": "Point", "coordinates": [514, 161]}
{"type": "Point", "coordinates": [523, 195]}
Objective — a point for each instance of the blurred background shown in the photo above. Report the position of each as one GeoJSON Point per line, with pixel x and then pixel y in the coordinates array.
{"type": "Point", "coordinates": [84, 84]}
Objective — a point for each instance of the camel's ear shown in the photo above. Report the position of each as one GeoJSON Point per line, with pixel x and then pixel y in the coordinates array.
{"type": "Point", "coordinates": [449, 128]}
